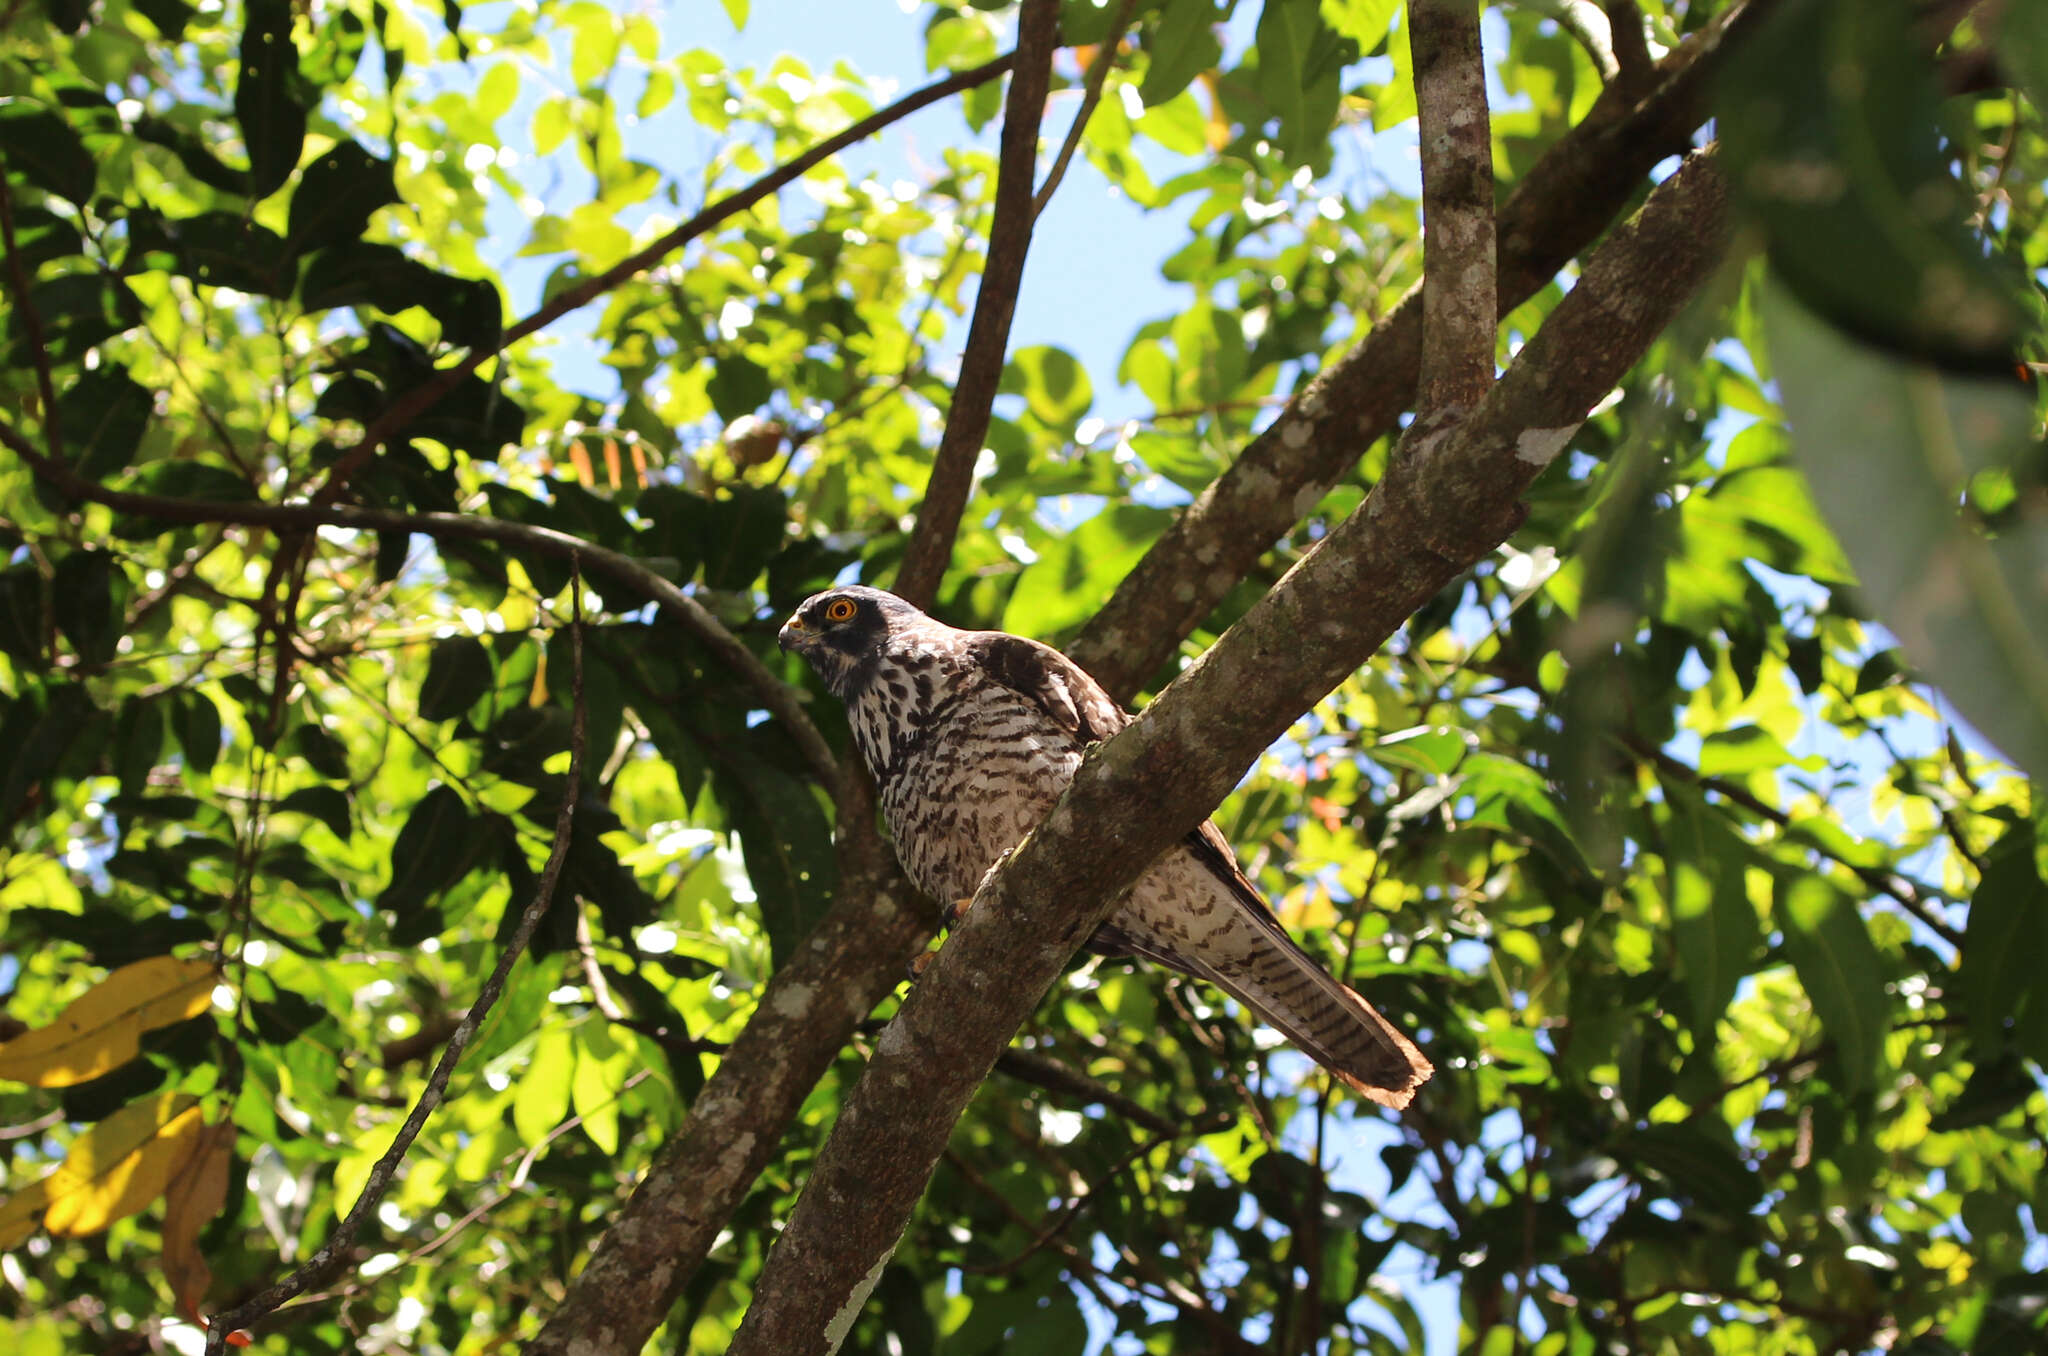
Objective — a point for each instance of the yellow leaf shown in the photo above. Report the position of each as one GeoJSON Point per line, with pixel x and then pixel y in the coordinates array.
{"type": "Point", "coordinates": [102, 1030]}
{"type": "Point", "coordinates": [122, 1164]}
{"type": "Point", "coordinates": [194, 1197]}
{"type": "Point", "coordinates": [19, 1215]}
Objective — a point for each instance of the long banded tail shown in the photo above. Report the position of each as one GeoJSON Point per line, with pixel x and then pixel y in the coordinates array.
{"type": "Point", "coordinates": [1323, 1018]}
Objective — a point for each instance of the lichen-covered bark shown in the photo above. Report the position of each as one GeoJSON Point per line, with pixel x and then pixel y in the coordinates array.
{"type": "Point", "coordinates": [1448, 498]}
{"type": "Point", "coordinates": [1566, 201]}
{"type": "Point", "coordinates": [1460, 310]}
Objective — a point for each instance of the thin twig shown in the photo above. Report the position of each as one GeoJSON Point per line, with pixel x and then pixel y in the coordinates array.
{"type": "Point", "coordinates": [1098, 76]}
{"type": "Point", "coordinates": [1889, 883]}
{"type": "Point", "coordinates": [333, 1254]}
{"type": "Point", "coordinates": [1043, 1071]}
{"type": "Point", "coordinates": [31, 319]}
{"type": "Point", "coordinates": [421, 398]}
{"type": "Point", "coordinates": [995, 304]}
{"type": "Point", "coordinates": [1086, 1196]}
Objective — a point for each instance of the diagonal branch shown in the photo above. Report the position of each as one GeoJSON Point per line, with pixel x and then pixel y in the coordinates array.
{"type": "Point", "coordinates": [1459, 308]}
{"type": "Point", "coordinates": [425, 396]}
{"type": "Point", "coordinates": [1566, 201]}
{"type": "Point", "coordinates": [995, 304]}
{"type": "Point", "coordinates": [1442, 504]}
{"type": "Point", "coordinates": [1091, 95]}
{"type": "Point", "coordinates": [323, 1265]}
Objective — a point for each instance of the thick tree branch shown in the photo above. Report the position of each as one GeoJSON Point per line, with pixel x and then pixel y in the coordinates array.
{"type": "Point", "coordinates": [1630, 44]}
{"type": "Point", "coordinates": [995, 304]}
{"type": "Point", "coordinates": [1567, 200]}
{"type": "Point", "coordinates": [423, 397]}
{"type": "Point", "coordinates": [1459, 307]}
{"type": "Point", "coordinates": [334, 1253]}
{"type": "Point", "coordinates": [779, 698]}
{"type": "Point", "coordinates": [1139, 792]}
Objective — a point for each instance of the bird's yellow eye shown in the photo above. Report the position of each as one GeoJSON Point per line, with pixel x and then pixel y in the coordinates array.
{"type": "Point", "coordinates": [839, 610]}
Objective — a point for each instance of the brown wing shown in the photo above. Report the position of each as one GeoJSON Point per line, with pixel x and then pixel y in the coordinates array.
{"type": "Point", "coordinates": [1054, 684]}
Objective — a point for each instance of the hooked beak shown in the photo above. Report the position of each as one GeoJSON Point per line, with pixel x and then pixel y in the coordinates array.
{"type": "Point", "coordinates": [794, 635]}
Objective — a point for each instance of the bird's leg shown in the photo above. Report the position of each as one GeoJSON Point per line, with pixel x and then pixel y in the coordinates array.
{"type": "Point", "coordinates": [951, 914]}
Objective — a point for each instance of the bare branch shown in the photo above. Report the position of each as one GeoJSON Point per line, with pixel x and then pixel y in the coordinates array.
{"type": "Point", "coordinates": [423, 397]}
{"type": "Point", "coordinates": [333, 1254]}
{"type": "Point", "coordinates": [31, 319]}
{"type": "Point", "coordinates": [1098, 76]}
{"type": "Point", "coordinates": [1565, 202]}
{"type": "Point", "coordinates": [995, 303]}
{"type": "Point", "coordinates": [1143, 789]}
{"type": "Point", "coordinates": [1459, 309]}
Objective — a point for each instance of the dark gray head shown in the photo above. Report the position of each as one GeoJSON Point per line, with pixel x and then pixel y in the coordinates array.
{"type": "Point", "coordinates": [843, 632]}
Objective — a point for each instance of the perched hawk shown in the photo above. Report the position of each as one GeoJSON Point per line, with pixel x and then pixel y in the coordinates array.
{"type": "Point", "coordinates": [973, 735]}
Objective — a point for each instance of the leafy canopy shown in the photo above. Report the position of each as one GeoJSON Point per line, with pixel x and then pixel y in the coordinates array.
{"type": "Point", "coordinates": [1719, 924]}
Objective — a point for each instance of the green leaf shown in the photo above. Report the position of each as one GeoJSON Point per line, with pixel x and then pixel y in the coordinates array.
{"type": "Point", "coordinates": [432, 852]}
{"type": "Point", "coordinates": [267, 100]}
{"type": "Point", "coordinates": [1698, 1162]}
{"type": "Point", "coordinates": [1396, 101]}
{"type": "Point", "coordinates": [743, 533]}
{"type": "Point", "coordinates": [738, 386]}
{"type": "Point", "coordinates": [87, 595]}
{"type": "Point", "coordinates": [1074, 574]}
{"type": "Point", "coordinates": [42, 235]}
{"type": "Point", "coordinates": [336, 196]}
{"type": "Point", "coordinates": [1181, 46]}
{"type": "Point", "coordinates": [41, 147]}
{"type": "Point", "coordinates": [197, 722]}
{"type": "Point", "coordinates": [328, 804]}
{"type": "Point", "coordinates": [78, 311]}
{"type": "Point", "coordinates": [1830, 948]}
{"type": "Point", "coordinates": [138, 744]}
{"type": "Point", "coordinates": [104, 414]}
{"type": "Point", "coordinates": [1713, 923]}
{"type": "Point", "coordinates": [22, 618]}
{"type": "Point", "coordinates": [1365, 22]}
{"type": "Point", "coordinates": [543, 1097]}
{"type": "Point", "coordinates": [1744, 749]}
{"type": "Point", "coordinates": [1887, 445]}
{"type": "Point", "coordinates": [319, 750]}
{"type": "Point", "coordinates": [786, 841]}
{"type": "Point", "coordinates": [1055, 387]}
{"type": "Point", "coordinates": [219, 249]}
{"type": "Point", "coordinates": [197, 158]}
{"type": "Point", "coordinates": [1997, 982]}
{"type": "Point", "coordinates": [181, 479]}
{"type": "Point", "coordinates": [458, 672]}
{"type": "Point", "coordinates": [1832, 124]}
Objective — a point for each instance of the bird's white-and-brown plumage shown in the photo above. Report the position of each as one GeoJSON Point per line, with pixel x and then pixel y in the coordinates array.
{"type": "Point", "coordinates": [973, 735]}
